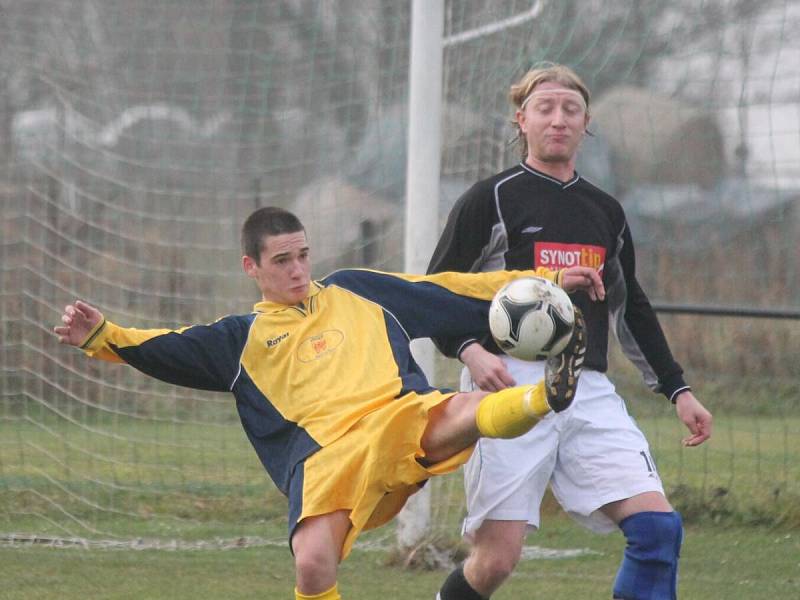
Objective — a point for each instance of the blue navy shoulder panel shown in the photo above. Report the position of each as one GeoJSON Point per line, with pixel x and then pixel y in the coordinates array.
{"type": "Point", "coordinates": [424, 309]}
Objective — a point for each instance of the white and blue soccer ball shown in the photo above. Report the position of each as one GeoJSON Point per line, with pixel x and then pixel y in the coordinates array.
{"type": "Point", "coordinates": [531, 318]}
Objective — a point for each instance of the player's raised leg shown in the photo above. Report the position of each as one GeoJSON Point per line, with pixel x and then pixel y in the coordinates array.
{"type": "Point", "coordinates": [465, 417]}
{"type": "Point", "coordinates": [503, 414]}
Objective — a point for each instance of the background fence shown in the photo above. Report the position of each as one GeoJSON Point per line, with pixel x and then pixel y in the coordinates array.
{"type": "Point", "coordinates": [135, 137]}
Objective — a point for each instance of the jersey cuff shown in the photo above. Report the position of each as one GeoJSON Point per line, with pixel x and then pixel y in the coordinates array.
{"type": "Point", "coordinates": [93, 335]}
{"type": "Point", "coordinates": [672, 385]}
{"type": "Point", "coordinates": [463, 346]}
{"type": "Point", "coordinates": [674, 396]}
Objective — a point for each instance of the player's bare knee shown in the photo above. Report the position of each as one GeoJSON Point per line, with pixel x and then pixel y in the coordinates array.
{"type": "Point", "coordinates": [492, 566]}
{"type": "Point", "coordinates": [315, 569]}
{"type": "Point", "coordinates": [487, 577]}
{"type": "Point", "coordinates": [499, 568]}
{"type": "Point", "coordinates": [451, 427]}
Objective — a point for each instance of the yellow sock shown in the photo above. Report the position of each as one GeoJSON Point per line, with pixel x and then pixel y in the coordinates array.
{"type": "Point", "coordinates": [512, 411]}
{"type": "Point", "coordinates": [331, 594]}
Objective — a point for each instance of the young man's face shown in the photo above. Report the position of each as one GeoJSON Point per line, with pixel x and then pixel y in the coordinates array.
{"type": "Point", "coordinates": [553, 120]}
{"type": "Point", "coordinates": [284, 272]}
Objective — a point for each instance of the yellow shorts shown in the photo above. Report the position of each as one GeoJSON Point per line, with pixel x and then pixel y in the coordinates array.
{"type": "Point", "coordinates": [373, 469]}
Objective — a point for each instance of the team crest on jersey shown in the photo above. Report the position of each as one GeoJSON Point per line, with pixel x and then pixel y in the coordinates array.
{"type": "Point", "coordinates": [319, 345]}
{"type": "Point", "coordinates": [560, 256]}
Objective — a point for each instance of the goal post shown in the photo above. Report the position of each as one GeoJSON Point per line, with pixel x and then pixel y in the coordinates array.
{"type": "Point", "coordinates": [423, 175]}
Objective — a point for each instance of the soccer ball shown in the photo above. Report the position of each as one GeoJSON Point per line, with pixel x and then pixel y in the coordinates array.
{"type": "Point", "coordinates": [531, 318]}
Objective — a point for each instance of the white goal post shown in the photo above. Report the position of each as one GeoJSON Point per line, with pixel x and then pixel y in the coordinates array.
{"type": "Point", "coordinates": [422, 200]}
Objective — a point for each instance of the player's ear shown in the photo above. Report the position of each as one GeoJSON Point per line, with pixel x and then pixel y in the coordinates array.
{"type": "Point", "coordinates": [519, 117]}
{"type": "Point", "coordinates": [249, 266]}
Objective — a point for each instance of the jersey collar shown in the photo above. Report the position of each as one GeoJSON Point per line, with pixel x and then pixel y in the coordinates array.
{"type": "Point", "coordinates": [267, 306]}
{"type": "Point", "coordinates": [561, 184]}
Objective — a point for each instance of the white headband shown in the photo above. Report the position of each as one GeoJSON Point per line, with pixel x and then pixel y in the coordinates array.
{"type": "Point", "coordinates": [536, 92]}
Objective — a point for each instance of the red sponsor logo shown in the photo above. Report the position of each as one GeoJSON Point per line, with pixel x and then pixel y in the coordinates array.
{"type": "Point", "coordinates": [560, 256]}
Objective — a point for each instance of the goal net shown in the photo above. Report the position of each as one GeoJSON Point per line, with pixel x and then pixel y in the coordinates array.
{"type": "Point", "coordinates": [137, 135]}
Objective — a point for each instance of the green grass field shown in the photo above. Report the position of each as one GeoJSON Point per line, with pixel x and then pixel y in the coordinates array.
{"type": "Point", "coordinates": [717, 562]}
{"type": "Point", "coordinates": [126, 480]}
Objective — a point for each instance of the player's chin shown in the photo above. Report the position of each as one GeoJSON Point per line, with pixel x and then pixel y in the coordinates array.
{"type": "Point", "coordinates": [298, 294]}
{"type": "Point", "coordinates": [559, 153]}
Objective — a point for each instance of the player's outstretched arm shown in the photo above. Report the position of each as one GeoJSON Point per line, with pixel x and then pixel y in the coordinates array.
{"type": "Point", "coordinates": [202, 357]}
{"type": "Point", "coordinates": [79, 319]}
{"type": "Point", "coordinates": [586, 279]}
{"type": "Point", "coordinates": [695, 416]}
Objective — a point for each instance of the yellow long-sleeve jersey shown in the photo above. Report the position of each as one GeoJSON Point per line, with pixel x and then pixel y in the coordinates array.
{"type": "Point", "coordinates": [304, 375]}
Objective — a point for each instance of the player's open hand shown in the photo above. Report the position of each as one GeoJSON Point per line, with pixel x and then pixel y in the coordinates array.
{"type": "Point", "coordinates": [487, 370]}
{"type": "Point", "coordinates": [78, 321]}
{"type": "Point", "coordinates": [696, 418]}
{"type": "Point", "coordinates": [586, 279]}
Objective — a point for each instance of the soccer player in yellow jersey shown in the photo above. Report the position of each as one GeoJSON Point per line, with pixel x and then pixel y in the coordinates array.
{"type": "Point", "coordinates": [340, 415]}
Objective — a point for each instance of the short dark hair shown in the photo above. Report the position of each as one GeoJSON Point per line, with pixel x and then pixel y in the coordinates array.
{"type": "Point", "coordinates": [264, 222]}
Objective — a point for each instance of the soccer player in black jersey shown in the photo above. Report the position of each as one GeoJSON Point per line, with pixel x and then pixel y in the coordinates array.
{"type": "Point", "coordinates": [597, 462]}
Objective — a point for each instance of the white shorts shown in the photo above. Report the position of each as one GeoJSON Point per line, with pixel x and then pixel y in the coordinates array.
{"type": "Point", "coordinates": [591, 454]}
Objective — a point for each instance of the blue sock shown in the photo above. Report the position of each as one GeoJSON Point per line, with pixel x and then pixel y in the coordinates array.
{"type": "Point", "coordinates": [649, 569]}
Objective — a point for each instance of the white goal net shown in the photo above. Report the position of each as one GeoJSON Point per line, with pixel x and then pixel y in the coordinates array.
{"type": "Point", "coordinates": [137, 135]}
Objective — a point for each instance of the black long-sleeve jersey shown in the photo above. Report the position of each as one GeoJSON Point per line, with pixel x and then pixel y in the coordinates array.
{"type": "Point", "coordinates": [521, 219]}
